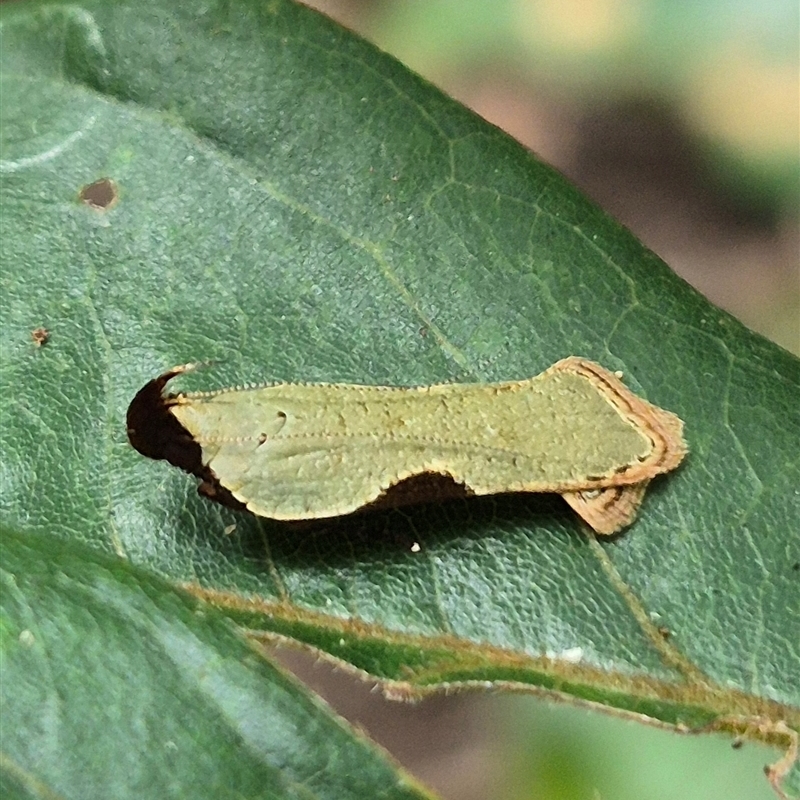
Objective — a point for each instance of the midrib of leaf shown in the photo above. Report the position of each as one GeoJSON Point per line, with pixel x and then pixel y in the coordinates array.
{"type": "Point", "coordinates": [416, 665]}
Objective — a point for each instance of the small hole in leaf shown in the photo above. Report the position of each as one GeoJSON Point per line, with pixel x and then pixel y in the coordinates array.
{"type": "Point", "coordinates": [100, 195]}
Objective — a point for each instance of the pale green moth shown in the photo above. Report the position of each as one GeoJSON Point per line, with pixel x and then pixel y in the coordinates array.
{"type": "Point", "coordinates": [310, 451]}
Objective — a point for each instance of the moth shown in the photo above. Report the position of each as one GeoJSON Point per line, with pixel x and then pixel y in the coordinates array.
{"type": "Point", "coordinates": [297, 451]}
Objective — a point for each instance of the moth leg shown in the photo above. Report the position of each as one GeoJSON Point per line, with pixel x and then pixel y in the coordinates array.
{"type": "Point", "coordinates": [609, 510]}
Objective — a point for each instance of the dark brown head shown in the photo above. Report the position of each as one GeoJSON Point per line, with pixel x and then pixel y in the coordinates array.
{"type": "Point", "coordinates": [155, 432]}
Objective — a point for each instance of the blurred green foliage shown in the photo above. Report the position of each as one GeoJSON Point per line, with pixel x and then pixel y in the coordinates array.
{"type": "Point", "coordinates": [563, 753]}
{"type": "Point", "coordinates": [730, 68]}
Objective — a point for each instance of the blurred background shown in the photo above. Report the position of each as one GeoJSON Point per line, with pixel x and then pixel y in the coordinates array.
{"type": "Point", "coordinates": [682, 119]}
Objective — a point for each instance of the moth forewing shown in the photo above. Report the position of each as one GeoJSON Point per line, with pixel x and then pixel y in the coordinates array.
{"type": "Point", "coordinates": [309, 451]}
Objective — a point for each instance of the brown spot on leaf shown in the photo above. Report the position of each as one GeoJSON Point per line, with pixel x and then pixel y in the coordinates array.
{"type": "Point", "coordinates": [40, 336]}
{"type": "Point", "coordinates": [102, 195]}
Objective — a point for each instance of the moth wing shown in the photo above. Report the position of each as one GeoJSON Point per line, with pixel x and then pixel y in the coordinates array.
{"type": "Point", "coordinates": [308, 477]}
{"type": "Point", "coordinates": [609, 510]}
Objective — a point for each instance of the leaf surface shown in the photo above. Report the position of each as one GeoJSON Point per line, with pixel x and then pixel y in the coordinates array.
{"type": "Point", "coordinates": [115, 684]}
{"type": "Point", "coordinates": [295, 205]}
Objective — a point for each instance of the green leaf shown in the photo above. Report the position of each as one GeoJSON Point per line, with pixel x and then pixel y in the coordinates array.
{"type": "Point", "coordinates": [294, 205]}
{"type": "Point", "coordinates": [116, 685]}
